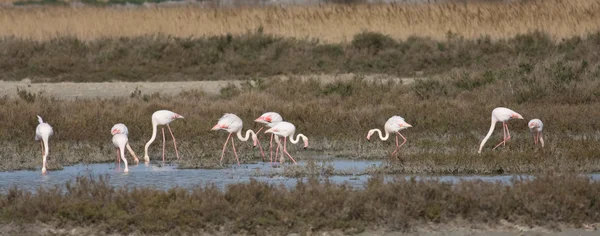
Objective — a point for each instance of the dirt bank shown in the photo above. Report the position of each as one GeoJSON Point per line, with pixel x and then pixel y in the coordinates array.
{"type": "Point", "coordinates": [70, 90]}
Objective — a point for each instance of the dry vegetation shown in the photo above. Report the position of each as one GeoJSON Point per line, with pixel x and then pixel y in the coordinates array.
{"type": "Point", "coordinates": [329, 23]}
{"type": "Point", "coordinates": [163, 58]}
{"type": "Point", "coordinates": [550, 201]}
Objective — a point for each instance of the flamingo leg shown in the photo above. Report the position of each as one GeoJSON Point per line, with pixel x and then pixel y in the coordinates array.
{"type": "Point", "coordinates": [504, 130]}
{"type": "Point", "coordinates": [535, 138]}
{"type": "Point", "coordinates": [396, 150]}
{"type": "Point", "coordinates": [224, 146]}
{"type": "Point", "coordinates": [271, 150]}
{"type": "Point", "coordinates": [507, 132]}
{"type": "Point", "coordinates": [285, 150]}
{"type": "Point", "coordinates": [163, 133]}
{"type": "Point", "coordinates": [118, 157]}
{"type": "Point", "coordinates": [235, 152]}
{"type": "Point", "coordinates": [506, 138]}
{"type": "Point", "coordinates": [402, 138]}
{"type": "Point", "coordinates": [174, 142]}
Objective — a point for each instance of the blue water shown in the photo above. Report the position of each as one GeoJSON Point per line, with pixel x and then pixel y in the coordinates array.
{"type": "Point", "coordinates": [165, 177]}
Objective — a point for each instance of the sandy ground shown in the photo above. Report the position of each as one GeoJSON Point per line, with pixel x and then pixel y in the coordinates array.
{"type": "Point", "coordinates": [69, 90]}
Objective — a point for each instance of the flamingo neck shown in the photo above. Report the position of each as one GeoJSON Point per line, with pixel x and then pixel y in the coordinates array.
{"type": "Point", "coordinates": [304, 138]}
{"type": "Point", "coordinates": [492, 126]}
{"type": "Point", "coordinates": [248, 133]}
{"type": "Point", "coordinates": [46, 150]}
{"type": "Point", "coordinates": [378, 131]}
{"type": "Point", "coordinates": [122, 150]}
{"type": "Point", "coordinates": [146, 157]}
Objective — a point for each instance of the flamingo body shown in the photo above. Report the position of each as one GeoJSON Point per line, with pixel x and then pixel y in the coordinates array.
{"type": "Point", "coordinates": [162, 117]}
{"type": "Point", "coordinates": [536, 126]}
{"type": "Point", "coordinates": [43, 131]}
{"type": "Point", "coordinates": [270, 119]}
{"type": "Point", "coordinates": [500, 114]}
{"type": "Point", "coordinates": [233, 124]}
{"type": "Point", "coordinates": [120, 128]}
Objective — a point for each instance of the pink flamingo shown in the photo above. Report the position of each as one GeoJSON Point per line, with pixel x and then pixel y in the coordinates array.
{"type": "Point", "coordinates": [43, 131]}
{"type": "Point", "coordinates": [536, 126]}
{"type": "Point", "coordinates": [233, 124]}
{"type": "Point", "coordinates": [120, 128]}
{"type": "Point", "coordinates": [162, 117]}
{"type": "Point", "coordinates": [286, 129]}
{"type": "Point", "coordinates": [270, 119]}
{"type": "Point", "coordinates": [500, 114]}
{"type": "Point", "coordinates": [393, 125]}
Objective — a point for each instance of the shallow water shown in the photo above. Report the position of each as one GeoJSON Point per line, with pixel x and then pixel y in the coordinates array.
{"type": "Point", "coordinates": [167, 176]}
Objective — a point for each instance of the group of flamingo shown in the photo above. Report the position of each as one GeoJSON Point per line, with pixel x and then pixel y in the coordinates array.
{"type": "Point", "coordinates": [277, 128]}
{"type": "Point", "coordinates": [228, 122]}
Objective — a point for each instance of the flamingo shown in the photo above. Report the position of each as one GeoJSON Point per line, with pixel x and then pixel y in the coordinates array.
{"type": "Point", "coordinates": [536, 126]}
{"type": "Point", "coordinates": [162, 117]}
{"type": "Point", "coordinates": [233, 124]}
{"type": "Point", "coordinates": [393, 125]}
{"type": "Point", "coordinates": [500, 114]}
{"type": "Point", "coordinates": [120, 141]}
{"type": "Point", "coordinates": [270, 119]}
{"type": "Point", "coordinates": [43, 131]}
{"type": "Point", "coordinates": [120, 128]}
{"type": "Point", "coordinates": [286, 129]}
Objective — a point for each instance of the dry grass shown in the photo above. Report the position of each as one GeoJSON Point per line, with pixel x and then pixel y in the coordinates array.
{"type": "Point", "coordinates": [329, 23]}
{"type": "Point", "coordinates": [256, 208]}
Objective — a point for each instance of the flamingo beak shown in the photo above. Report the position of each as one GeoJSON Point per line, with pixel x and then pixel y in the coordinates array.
{"type": "Point", "coordinates": [216, 127]}
{"type": "Point", "coordinates": [259, 119]}
{"type": "Point", "coordinates": [407, 125]}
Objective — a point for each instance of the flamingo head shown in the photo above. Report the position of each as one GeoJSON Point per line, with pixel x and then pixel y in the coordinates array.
{"type": "Point", "coordinates": [516, 116]}
{"type": "Point", "coordinates": [176, 116]}
{"type": "Point", "coordinates": [404, 125]}
{"type": "Point", "coordinates": [369, 135]}
{"type": "Point", "coordinates": [115, 131]}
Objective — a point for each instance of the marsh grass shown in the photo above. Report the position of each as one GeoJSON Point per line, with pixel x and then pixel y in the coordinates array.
{"type": "Point", "coordinates": [332, 23]}
{"type": "Point", "coordinates": [549, 200]}
{"type": "Point", "coordinates": [257, 54]}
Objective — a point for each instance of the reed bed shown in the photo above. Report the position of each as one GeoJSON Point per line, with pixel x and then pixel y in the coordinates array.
{"type": "Point", "coordinates": [551, 201]}
{"type": "Point", "coordinates": [327, 23]}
